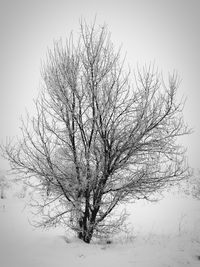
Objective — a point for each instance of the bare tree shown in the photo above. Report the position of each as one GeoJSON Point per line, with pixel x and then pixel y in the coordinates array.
{"type": "Point", "coordinates": [97, 139]}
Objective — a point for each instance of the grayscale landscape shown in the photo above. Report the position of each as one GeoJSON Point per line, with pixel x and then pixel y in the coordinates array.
{"type": "Point", "coordinates": [99, 133]}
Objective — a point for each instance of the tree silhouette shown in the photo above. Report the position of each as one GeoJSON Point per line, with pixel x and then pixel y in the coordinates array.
{"type": "Point", "coordinates": [99, 138]}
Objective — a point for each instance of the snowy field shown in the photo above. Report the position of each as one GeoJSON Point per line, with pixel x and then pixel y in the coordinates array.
{"type": "Point", "coordinates": [163, 234]}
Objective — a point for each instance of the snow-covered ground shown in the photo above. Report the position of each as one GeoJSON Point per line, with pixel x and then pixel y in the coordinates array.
{"type": "Point", "coordinates": [164, 234]}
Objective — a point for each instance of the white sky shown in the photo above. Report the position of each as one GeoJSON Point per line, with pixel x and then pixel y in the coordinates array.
{"type": "Point", "coordinates": [166, 32]}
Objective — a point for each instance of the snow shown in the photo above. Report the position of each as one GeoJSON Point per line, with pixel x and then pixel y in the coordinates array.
{"type": "Point", "coordinates": [164, 234]}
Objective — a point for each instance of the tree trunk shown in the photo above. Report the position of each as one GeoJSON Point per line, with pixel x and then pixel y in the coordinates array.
{"type": "Point", "coordinates": [85, 230]}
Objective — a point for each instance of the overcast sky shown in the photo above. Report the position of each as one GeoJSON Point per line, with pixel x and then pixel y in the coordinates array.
{"type": "Point", "coordinates": [165, 32]}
